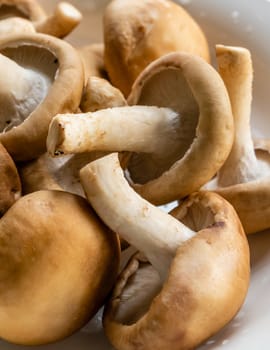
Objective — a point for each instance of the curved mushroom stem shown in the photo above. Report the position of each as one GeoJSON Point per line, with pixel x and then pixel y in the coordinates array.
{"type": "Point", "coordinates": [100, 94]}
{"type": "Point", "coordinates": [136, 129]}
{"type": "Point", "coordinates": [146, 227]}
{"type": "Point", "coordinates": [65, 18]}
{"type": "Point", "coordinates": [235, 67]}
{"type": "Point", "coordinates": [22, 91]}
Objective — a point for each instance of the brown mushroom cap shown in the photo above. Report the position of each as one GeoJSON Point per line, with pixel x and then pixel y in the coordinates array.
{"type": "Point", "coordinates": [58, 263]}
{"type": "Point", "coordinates": [138, 32]}
{"type": "Point", "coordinates": [58, 68]}
{"type": "Point", "coordinates": [10, 184]}
{"type": "Point", "coordinates": [206, 285]}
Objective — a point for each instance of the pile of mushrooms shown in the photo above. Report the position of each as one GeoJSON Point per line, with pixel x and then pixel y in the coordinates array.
{"type": "Point", "coordinates": [92, 141]}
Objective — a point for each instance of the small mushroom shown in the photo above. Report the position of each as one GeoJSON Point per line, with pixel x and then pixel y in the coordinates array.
{"type": "Point", "coordinates": [138, 32]}
{"type": "Point", "coordinates": [10, 184]}
{"type": "Point", "coordinates": [244, 178]}
{"type": "Point", "coordinates": [58, 264]}
{"type": "Point", "coordinates": [43, 76]}
{"type": "Point", "coordinates": [100, 94]}
{"type": "Point", "coordinates": [176, 149]}
{"type": "Point", "coordinates": [193, 276]}
{"type": "Point", "coordinates": [64, 19]}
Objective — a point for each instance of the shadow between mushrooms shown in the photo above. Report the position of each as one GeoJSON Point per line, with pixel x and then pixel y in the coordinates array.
{"type": "Point", "coordinates": [43, 76]}
{"type": "Point", "coordinates": [58, 264]}
{"type": "Point", "coordinates": [244, 179]}
{"type": "Point", "coordinates": [177, 145]}
{"type": "Point", "coordinates": [194, 273]}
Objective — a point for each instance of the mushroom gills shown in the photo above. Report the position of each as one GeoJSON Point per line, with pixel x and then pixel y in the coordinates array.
{"type": "Point", "coordinates": [162, 90]}
{"type": "Point", "coordinates": [138, 293]}
{"type": "Point", "coordinates": [28, 72]}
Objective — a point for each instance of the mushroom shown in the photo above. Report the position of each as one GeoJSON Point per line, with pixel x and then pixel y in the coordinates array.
{"type": "Point", "coordinates": [193, 276]}
{"type": "Point", "coordinates": [10, 184]}
{"type": "Point", "coordinates": [138, 32]}
{"type": "Point", "coordinates": [176, 149]}
{"type": "Point", "coordinates": [58, 264]}
{"type": "Point", "coordinates": [64, 19]}
{"type": "Point", "coordinates": [244, 178]}
{"type": "Point", "coordinates": [100, 94]}
{"type": "Point", "coordinates": [43, 76]}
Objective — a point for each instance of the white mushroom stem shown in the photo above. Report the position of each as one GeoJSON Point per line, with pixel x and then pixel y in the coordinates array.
{"type": "Point", "coordinates": [135, 129]}
{"type": "Point", "coordinates": [235, 67]}
{"type": "Point", "coordinates": [65, 18]}
{"type": "Point", "coordinates": [146, 227]}
{"type": "Point", "coordinates": [22, 90]}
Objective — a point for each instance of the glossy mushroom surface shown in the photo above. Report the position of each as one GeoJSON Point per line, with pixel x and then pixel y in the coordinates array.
{"type": "Point", "coordinates": [138, 32]}
{"type": "Point", "coordinates": [58, 264]}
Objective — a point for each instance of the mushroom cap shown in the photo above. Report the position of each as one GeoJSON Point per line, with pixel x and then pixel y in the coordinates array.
{"type": "Point", "coordinates": [61, 71]}
{"type": "Point", "coordinates": [58, 263]}
{"type": "Point", "coordinates": [15, 25]}
{"type": "Point", "coordinates": [138, 32]}
{"type": "Point", "coordinates": [204, 133]}
{"type": "Point", "coordinates": [10, 184]}
{"type": "Point", "coordinates": [28, 9]}
{"type": "Point", "coordinates": [207, 284]}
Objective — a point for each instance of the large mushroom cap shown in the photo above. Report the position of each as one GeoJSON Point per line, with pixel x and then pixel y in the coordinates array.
{"type": "Point", "coordinates": [44, 76]}
{"type": "Point", "coordinates": [203, 132]}
{"type": "Point", "coordinates": [10, 184]}
{"type": "Point", "coordinates": [206, 285]}
{"type": "Point", "coordinates": [138, 32]}
{"type": "Point", "coordinates": [58, 263]}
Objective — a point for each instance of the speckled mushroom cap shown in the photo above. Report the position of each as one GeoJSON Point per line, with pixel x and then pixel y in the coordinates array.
{"type": "Point", "coordinates": [10, 184]}
{"type": "Point", "coordinates": [44, 77]}
{"type": "Point", "coordinates": [206, 285]}
{"type": "Point", "coordinates": [204, 130]}
{"type": "Point", "coordinates": [138, 32]}
{"type": "Point", "coordinates": [58, 263]}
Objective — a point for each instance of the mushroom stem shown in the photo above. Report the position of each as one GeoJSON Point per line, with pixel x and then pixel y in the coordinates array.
{"type": "Point", "coordinates": [65, 18]}
{"type": "Point", "coordinates": [18, 95]}
{"type": "Point", "coordinates": [136, 129]}
{"type": "Point", "coordinates": [235, 67]}
{"type": "Point", "coordinates": [146, 227]}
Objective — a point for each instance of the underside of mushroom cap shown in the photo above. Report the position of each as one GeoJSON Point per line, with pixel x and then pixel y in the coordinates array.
{"type": "Point", "coordinates": [10, 184]}
{"type": "Point", "coordinates": [206, 285]}
{"type": "Point", "coordinates": [58, 263]}
{"type": "Point", "coordinates": [59, 69]}
{"type": "Point", "coordinates": [192, 88]}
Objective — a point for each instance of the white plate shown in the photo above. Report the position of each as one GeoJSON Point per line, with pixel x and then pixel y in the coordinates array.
{"type": "Point", "coordinates": [232, 22]}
